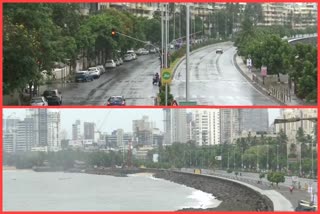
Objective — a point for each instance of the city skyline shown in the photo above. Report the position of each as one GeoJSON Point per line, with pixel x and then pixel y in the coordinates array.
{"type": "Point", "coordinates": [69, 116]}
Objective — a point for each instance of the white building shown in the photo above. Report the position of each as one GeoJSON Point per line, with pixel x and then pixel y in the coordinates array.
{"type": "Point", "coordinates": [207, 126]}
{"type": "Point", "coordinates": [76, 130]}
{"type": "Point", "coordinates": [175, 126]}
{"type": "Point", "coordinates": [54, 143]}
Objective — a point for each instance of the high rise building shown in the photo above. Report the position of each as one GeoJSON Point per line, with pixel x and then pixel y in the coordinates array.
{"type": "Point", "coordinates": [25, 135]}
{"type": "Point", "coordinates": [142, 131]}
{"type": "Point", "coordinates": [76, 130]}
{"type": "Point", "coordinates": [179, 125]}
{"type": "Point", "coordinates": [120, 142]}
{"type": "Point", "coordinates": [229, 125]}
{"type": "Point", "coordinates": [207, 126]}
{"type": "Point", "coordinates": [88, 129]}
{"type": "Point", "coordinates": [40, 126]}
{"type": "Point", "coordinates": [167, 126]}
{"type": "Point", "coordinates": [53, 126]}
{"type": "Point", "coordinates": [256, 120]}
{"type": "Point", "coordinates": [175, 126]}
{"type": "Point", "coordinates": [190, 127]}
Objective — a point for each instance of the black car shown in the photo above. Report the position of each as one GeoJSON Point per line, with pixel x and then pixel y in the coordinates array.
{"type": "Point", "coordinates": [53, 97]}
{"type": "Point", "coordinates": [219, 50]}
{"type": "Point", "coordinates": [83, 76]}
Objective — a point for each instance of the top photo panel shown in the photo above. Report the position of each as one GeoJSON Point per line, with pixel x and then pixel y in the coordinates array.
{"type": "Point", "coordinates": [160, 54]}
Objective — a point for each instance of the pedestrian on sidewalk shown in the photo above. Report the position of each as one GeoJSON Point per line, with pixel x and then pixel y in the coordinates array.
{"type": "Point", "coordinates": [291, 189]}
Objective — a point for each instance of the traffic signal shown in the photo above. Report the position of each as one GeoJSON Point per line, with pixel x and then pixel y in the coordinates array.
{"type": "Point", "coordinates": [113, 32]}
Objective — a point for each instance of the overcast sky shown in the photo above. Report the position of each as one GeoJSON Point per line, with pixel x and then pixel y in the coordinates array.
{"type": "Point", "coordinates": [107, 120]}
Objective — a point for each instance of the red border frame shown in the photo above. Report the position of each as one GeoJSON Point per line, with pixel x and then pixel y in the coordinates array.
{"type": "Point", "coordinates": [141, 107]}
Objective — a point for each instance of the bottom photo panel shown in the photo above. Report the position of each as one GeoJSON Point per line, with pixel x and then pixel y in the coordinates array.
{"type": "Point", "coordinates": [197, 159]}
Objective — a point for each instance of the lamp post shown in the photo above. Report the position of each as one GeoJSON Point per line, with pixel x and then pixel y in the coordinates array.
{"type": "Point", "coordinates": [242, 159]}
{"type": "Point", "coordinates": [277, 157]}
{"type": "Point", "coordinates": [268, 157]}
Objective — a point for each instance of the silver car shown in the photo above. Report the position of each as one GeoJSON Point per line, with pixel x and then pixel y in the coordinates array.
{"type": "Point", "coordinates": [38, 101]}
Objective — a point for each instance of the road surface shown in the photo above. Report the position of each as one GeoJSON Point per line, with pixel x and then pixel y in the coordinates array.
{"type": "Point", "coordinates": [214, 80]}
{"type": "Point", "coordinates": [133, 80]}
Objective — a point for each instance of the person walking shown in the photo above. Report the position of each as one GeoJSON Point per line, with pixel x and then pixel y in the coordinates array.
{"type": "Point", "coordinates": [291, 189]}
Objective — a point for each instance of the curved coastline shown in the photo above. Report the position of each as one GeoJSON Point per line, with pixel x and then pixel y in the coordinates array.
{"type": "Point", "coordinates": [234, 196]}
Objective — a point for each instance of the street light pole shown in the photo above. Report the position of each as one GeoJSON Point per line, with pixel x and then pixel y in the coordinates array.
{"type": "Point", "coordinates": [257, 158]}
{"type": "Point", "coordinates": [234, 159]}
{"type": "Point", "coordinates": [277, 157]}
{"type": "Point", "coordinates": [242, 159]}
{"type": "Point", "coordinates": [267, 157]}
{"type": "Point", "coordinates": [187, 51]}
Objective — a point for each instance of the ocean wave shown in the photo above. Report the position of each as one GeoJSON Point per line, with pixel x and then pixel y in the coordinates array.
{"type": "Point", "coordinates": [203, 200]}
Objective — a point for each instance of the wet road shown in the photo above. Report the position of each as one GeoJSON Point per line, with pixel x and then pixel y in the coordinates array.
{"type": "Point", "coordinates": [133, 80]}
{"type": "Point", "coordinates": [214, 80]}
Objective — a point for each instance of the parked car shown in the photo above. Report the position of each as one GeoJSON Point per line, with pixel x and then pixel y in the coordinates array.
{"type": "Point", "coordinates": [110, 64]}
{"type": "Point", "coordinates": [152, 50]}
{"type": "Point", "coordinates": [117, 61]}
{"type": "Point", "coordinates": [38, 101]}
{"type": "Point", "coordinates": [94, 72]}
{"type": "Point", "coordinates": [53, 96]}
{"type": "Point", "coordinates": [219, 50]}
{"type": "Point", "coordinates": [142, 51]}
{"type": "Point", "coordinates": [102, 69]}
{"type": "Point", "coordinates": [128, 57]}
{"type": "Point", "coordinates": [134, 56]}
{"type": "Point", "coordinates": [116, 101]}
{"type": "Point", "coordinates": [83, 76]}
{"type": "Point", "coordinates": [121, 61]}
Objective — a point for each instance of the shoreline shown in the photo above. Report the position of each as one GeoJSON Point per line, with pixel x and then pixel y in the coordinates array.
{"type": "Point", "coordinates": [234, 196]}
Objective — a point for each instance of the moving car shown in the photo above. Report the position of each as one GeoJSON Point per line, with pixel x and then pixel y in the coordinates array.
{"type": "Point", "coordinates": [219, 50]}
{"type": "Point", "coordinates": [83, 76]}
{"type": "Point", "coordinates": [53, 96]}
{"type": "Point", "coordinates": [110, 64]}
{"type": "Point", "coordinates": [116, 101]}
{"type": "Point", "coordinates": [38, 101]}
{"type": "Point", "coordinates": [94, 72]}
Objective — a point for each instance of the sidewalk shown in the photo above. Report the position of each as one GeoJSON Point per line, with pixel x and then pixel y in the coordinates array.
{"type": "Point", "coordinates": [279, 91]}
{"type": "Point", "coordinates": [294, 198]}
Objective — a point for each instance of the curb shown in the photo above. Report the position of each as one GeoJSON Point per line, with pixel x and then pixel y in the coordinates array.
{"type": "Point", "coordinates": [256, 86]}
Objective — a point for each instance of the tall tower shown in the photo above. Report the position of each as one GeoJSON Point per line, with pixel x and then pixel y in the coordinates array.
{"type": "Point", "coordinates": [88, 129]}
{"type": "Point", "coordinates": [256, 120]}
{"type": "Point", "coordinates": [207, 126]}
{"type": "Point", "coordinates": [76, 130]}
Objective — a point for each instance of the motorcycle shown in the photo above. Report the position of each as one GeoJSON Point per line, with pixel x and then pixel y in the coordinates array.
{"type": "Point", "coordinates": [155, 80]}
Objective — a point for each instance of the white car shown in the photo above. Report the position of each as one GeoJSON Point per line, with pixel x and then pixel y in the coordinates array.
{"type": "Point", "coordinates": [127, 57]}
{"type": "Point", "coordinates": [101, 68]}
{"type": "Point", "coordinates": [94, 72]}
{"type": "Point", "coordinates": [110, 64]}
{"type": "Point", "coordinates": [142, 51]}
{"type": "Point", "coordinates": [134, 56]}
{"type": "Point", "coordinates": [38, 101]}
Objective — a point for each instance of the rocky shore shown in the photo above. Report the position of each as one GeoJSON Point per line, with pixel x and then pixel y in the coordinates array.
{"type": "Point", "coordinates": [234, 196]}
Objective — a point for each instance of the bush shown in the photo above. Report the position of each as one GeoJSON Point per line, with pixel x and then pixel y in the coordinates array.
{"type": "Point", "coordinates": [229, 171]}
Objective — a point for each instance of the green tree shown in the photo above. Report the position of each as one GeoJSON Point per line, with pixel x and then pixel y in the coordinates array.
{"type": "Point", "coordinates": [276, 177]}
